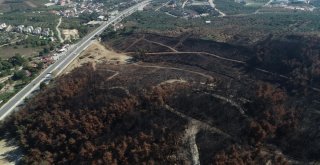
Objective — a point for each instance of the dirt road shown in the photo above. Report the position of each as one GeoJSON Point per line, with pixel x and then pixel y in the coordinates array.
{"type": "Point", "coordinates": [173, 68]}
{"type": "Point", "coordinates": [58, 30]}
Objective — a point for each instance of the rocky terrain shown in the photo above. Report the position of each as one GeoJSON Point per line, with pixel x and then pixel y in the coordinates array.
{"type": "Point", "coordinates": [179, 100]}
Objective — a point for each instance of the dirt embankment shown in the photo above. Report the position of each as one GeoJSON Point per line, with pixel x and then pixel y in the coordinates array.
{"type": "Point", "coordinates": [70, 34]}
{"type": "Point", "coordinates": [97, 53]}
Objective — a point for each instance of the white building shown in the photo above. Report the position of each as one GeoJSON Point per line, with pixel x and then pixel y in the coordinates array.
{"type": "Point", "coordinates": [37, 30]}
{"type": "Point", "coordinates": [3, 26]}
{"type": "Point", "coordinates": [240, 1]}
{"type": "Point", "coordinates": [113, 13]}
{"type": "Point", "coordinates": [101, 17]}
{"type": "Point", "coordinates": [45, 32]}
{"type": "Point", "coordinates": [28, 29]}
{"type": "Point", "coordinates": [19, 28]}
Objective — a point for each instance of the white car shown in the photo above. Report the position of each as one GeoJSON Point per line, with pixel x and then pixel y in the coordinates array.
{"type": "Point", "coordinates": [48, 76]}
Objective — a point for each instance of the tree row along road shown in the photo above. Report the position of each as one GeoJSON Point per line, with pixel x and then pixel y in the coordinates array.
{"type": "Point", "coordinates": [64, 61]}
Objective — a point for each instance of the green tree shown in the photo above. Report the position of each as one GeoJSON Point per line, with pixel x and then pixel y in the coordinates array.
{"type": "Point", "coordinates": [45, 50]}
{"type": "Point", "coordinates": [1, 85]}
{"type": "Point", "coordinates": [40, 65]}
{"type": "Point", "coordinates": [17, 60]}
{"type": "Point", "coordinates": [4, 65]}
{"type": "Point", "coordinates": [43, 85]}
{"type": "Point", "coordinates": [19, 75]}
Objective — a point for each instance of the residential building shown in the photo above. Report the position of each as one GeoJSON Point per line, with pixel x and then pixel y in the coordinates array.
{"type": "Point", "coordinates": [28, 29]}
{"type": "Point", "coordinates": [45, 32]}
{"type": "Point", "coordinates": [9, 28]}
{"type": "Point", "coordinates": [240, 1]}
{"type": "Point", "coordinates": [3, 26]}
{"type": "Point", "coordinates": [19, 28]}
{"type": "Point", "coordinates": [101, 18]}
{"type": "Point", "coordinates": [37, 31]}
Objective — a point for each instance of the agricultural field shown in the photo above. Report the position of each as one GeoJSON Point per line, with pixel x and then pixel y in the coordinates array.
{"type": "Point", "coordinates": [247, 29]}
{"type": "Point", "coordinates": [256, 2]}
{"type": "Point", "coordinates": [9, 51]}
{"type": "Point", "coordinates": [7, 37]}
{"type": "Point", "coordinates": [230, 7]}
{"type": "Point", "coordinates": [35, 19]}
{"type": "Point", "coordinates": [20, 5]}
{"type": "Point", "coordinates": [315, 3]}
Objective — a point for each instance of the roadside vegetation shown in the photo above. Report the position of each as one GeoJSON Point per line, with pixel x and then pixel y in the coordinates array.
{"type": "Point", "coordinates": [15, 73]}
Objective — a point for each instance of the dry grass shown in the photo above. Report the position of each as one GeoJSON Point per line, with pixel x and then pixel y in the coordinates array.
{"type": "Point", "coordinates": [70, 34]}
{"type": "Point", "coordinates": [31, 4]}
{"type": "Point", "coordinates": [7, 52]}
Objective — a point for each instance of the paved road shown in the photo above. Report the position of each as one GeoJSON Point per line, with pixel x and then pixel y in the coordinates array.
{"type": "Point", "coordinates": [265, 5]}
{"type": "Point", "coordinates": [64, 61]}
{"type": "Point", "coordinates": [222, 14]}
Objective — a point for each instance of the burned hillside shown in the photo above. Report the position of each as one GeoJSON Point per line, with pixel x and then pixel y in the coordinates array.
{"type": "Point", "coordinates": [174, 102]}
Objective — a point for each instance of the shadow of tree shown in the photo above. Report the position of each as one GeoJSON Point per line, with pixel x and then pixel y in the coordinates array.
{"type": "Point", "coordinates": [13, 153]}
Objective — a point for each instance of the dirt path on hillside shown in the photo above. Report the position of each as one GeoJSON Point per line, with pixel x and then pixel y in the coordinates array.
{"type": "Point", "coordinates": [173, 68]}
{"type": "Point", "coordinates": [191, 132]}
{"type": "Point", "coordinates": [158, 43]}
{"type": "Point", "coordinates": [205, 53]}
{"type": "Point", "coordinates": [134, 43]}
{"type": "Point", "coordinates": [58, 30]}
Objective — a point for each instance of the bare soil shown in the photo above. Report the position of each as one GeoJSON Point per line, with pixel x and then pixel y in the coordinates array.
{"type": "Point", "coordinates": [97, 53]}
{"type": "Point", "coordinates": [70, 34]}
{"type": "Point", "coordinates": [31, 4]}
{"type": "Point", "coordinates": [5, 150]}
{"type": "Point", "coordinates": [7, 52]}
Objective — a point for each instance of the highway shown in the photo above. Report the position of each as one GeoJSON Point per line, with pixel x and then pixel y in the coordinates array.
{"type": "Point", "coordinates": [64, 61]}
